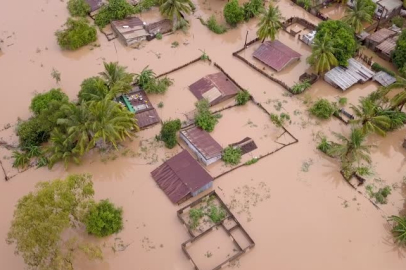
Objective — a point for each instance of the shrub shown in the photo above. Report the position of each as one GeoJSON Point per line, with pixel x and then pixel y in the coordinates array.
{"type": "Point", "coordinates": [104, 219]}
{"type": "Point", "coordinates": [78, 8]}
{"type": "Point", "coordinates": [299, 88]}
{"type": "Point", "coordinates": [342, 101]}
{"type": "Point", "coordinates": [157, 86]}
{"type": "Point", "coordinates": [322, 109]}
{"type": "Point", "coordinates": [381, 196]}
{"type": "Point", "coordinates": [279, 121]}
{"type": "Point", "coordinates": [399, 54]}
{"type": "Point", "coordinates": [32, 132]}
{"type": "Point", "coordinates": [203, 117]}
{"type": "Point", "coordinates": [232, 155]}
{"type": "Point", "coordinates": [216, 214]}
{"type": "Point", "coordinates": [214, 26]}
{"type": "Point", "coordinates": [158, 36]}
{"type": "Point", "coordinates": [195, 215]}
{"type": "Point", "coordinates": [42, 101]}
{"type": "Point", "coordinates": [398, 21]}
{"type": "Point", "coordinates": [113, 10]}
{"type": "Point", "coordinates": [306, 4]}
{"type": "Point", "coordinates": [324, 145]}
{"type": "Point", "coordinates": [21, 159]}
{"type": "Point", "coordinates": [233, 13]}
{"type": "Point", "coordinates": [252, 8]}
{"type": "Point", "coordinates": [377, 67]}
{"type": "Point", "coordinates": [251, 161]}
{"type": "Point", "coordinates": [144, 5]}
{"type": "Point", "coordinates": [78, 33]}
{"type": "Point", "coordinates": [168, 132]}
{"type": "Point", "coordinates": [92, 89]}
{"type": "Point", "coordinates": [242, 97]}
{"type": "Point", "coordinates": [399, 229]}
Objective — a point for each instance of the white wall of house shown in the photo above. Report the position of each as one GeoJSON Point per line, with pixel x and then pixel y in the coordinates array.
{"type": "Point", "coordinates": [197, 152]}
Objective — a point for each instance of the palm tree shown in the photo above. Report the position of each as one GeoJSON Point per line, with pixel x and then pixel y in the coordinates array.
{"type": "Point", "coordinates": [61, 148]}
{"type": "Point", "coordinates": [399, 229]}
{"type": "Point", "coordinates": [351, 149]}
{"type": "Point", "coordinates": [322, 58]}
{"type": "Point", "coordinates": [368, 116]}
{"type": "Point", "coordinates": [361, 12]}
{"type": "Point", "coordinates": [399, 100]}
{"type": "Point", "coordinates": [93, 88]}
{"type": "Point", "coordinates": [146, 76]}
{"type": "Point", "coordinates": [270, 23]}
{"type": "Point", "coordinates": [116, 78]}
{"type": "Point", "coordinates": [173, 9]}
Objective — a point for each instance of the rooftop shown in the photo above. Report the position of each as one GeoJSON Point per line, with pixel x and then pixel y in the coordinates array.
{"type": "Point", "coordinates": [94, 4]}
{"type": "Point", "coordinates": [275, 54]}
{"type": "Point", "coordinates": [384, 78]}
{"type": "Point", "coordinates": [203, 142]}
{"type": "Point", "coordinates": [381, 35]}
{"type": "Point", "coordinates": [390, 4]}
{"type": "Point", "coordinates": [387, 46]}
{"type": "Point", "coordinates": [131, 29]}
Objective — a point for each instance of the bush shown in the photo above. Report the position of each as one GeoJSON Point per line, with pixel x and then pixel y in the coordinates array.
{"type": "Point", "coordinates": [399, 54]}
{"type": "Point", "coordinates": [203, 117]}
{"type": "Point", "coordinates": [398, 21]}
{"type": "Point", "coordinates": [323, 109]}
{"type": "Point", "coordinates": [299, 88]}
{"type": "Point", "coordinates": [399, 229]}
{"type": "Point", "coordinates": [216, 214]}
{"type": "Point", "coordinates": [158, 36]}
{"type": "Point", "coordinates": [279, 121]}
{"type": "Point", "coordinates": [232, 155]}
{"type": "Point", "coordinates": [144, 5]}
{"type": "Point", "coordinates": [21, 159]}
{"type": "Point", "coordinates": [32, 132]}
{"type": "Point", "coordinates": [324, 145]}
{"type": "Point", "coordinates": [92, 89]}
{"type": "Point", "coordinates": [381, 196]}
{"type": "Point", "coordinates": [342, 101]}
{"type": "Point", "coordinates": [251, 161]}
{"type": "Point", "coordinates": [42, 101]}
{"type": "Point", "coordinates": [114, 10]}
{"type": "Point", "coordinates": [195, 215]}
{"type": "Point", "coordinates": [78, 33]}
{"type": "Point", "coordinates": [168, 132]}
{"type": "Point", "coordinates": [78, 8]}
{"type": "Point", "coordinates": [252, 9]}
{"type": "Point", "coordinates": [104, 219]}
{"type": "Point", "coordinates": [242, 97]}
{"type": "Point", "coordinates": [233, 13]}
{"type": "Point", "coordinates": [377, 67]}
{"type": "Point", "coordinates": [214, 26]}
{"type": "Point", "coordinates": [157, 86]}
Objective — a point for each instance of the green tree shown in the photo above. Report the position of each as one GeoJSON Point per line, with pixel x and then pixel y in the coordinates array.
{"type": "Point", "coordinates": [168, 132]}
{"type": "Point", "coordinates": [270, 23]}
{"type": "Point", "coordinates": [117, 79]}
{"type": "Point", "coordinates": [60, 148]}
{"type": "Point", "coordinates": [399, 100]}
{"type": "Point", "coordinates": [113, 10]}
{"type": "Point", "coordinates": [203, 117]}
{"type": "Point", "coordinates": [78, 33]}
{"type": "Point", "coordinates": [242, 97]}
{"type": "Point", "coordinates": [399, 229]}
{"type": "Point", "coordinates": [322, 58]}
{"type": "Point", "coordinates": [232, 155]}
{"type": "Point", "coordinates": [173, 9]}
{"type": "Point", "coordinates": [399, 54]}
{"type": "Point", "coordinates": [362, 11]}
{"type": "Point", "coordinates": [32, 132]}
{"type": "Point", "coordinates": [42, 216]}
{"type": "Point", "coordinates": [104, 219]}
{"type": "Point", "coordinates": [92, 89]}
{"type": "Point", "coordinates": [342, 39]}
{"type": "Point", "coordinates": [252, 8]}
{"type": "Point", "coordinates": [78, 8]}
{"type": "Point", "coordinates": [42, 101]}
{"type": "Point", "coordinates": [323, 109]}
{"type": "Point", "coordinates": [233, 13]}
{"type": "Point", "coordinates": [144, 77]}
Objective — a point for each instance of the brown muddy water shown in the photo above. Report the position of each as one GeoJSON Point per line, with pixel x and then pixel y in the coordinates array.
{"type": "Point", "coordinates": [294, 204]}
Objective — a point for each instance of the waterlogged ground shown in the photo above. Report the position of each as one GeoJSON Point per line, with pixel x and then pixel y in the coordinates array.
{"type": "Point", "coordinates": [294, 204]}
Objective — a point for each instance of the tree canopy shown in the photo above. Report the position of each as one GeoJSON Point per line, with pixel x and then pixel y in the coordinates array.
{"type": "Point", "coordinates": [270, 23]}
{"type": "Point", "coordinates": [113, 10]}
{"type": "Point", "coordinates": [322, 58]}
{"type": "Point", "coordinates": [399, 54]}
{"type": "Point", "coordinates": [362, 11]}
{"type": "Point", "coordinates": [78, 33]}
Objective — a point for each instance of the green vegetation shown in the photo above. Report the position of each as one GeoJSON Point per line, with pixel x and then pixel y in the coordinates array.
{"type": "Point", "coordinates": [116, 78]}
{"type": "Point", "coordinates": [21, 159]}
{"type": "Point", "coordinates": [251, 161]}
{"type": "Point", "coordinates": [381, 196]}
{"type": "Point", "coordinates": [306, 4]}
{"type": "Point", "coordinates": [362, 12]}
{"type": "Point", "coordinates": [324, 145]}
{"type": "Point", "coordinates": [322, 58]}
{"type": "Point", "coordinates": [270, 23]}
{"type": "Point", "coordinates": [160, 105]}
{"type": "Point", "coordinates": [299, 88]}
{"type": "Point", "coordinates": [78, 8]}
{"type": "Point", "coordinates": [342, 39]}
{"type": "Point", "coordinates": [174, 44]}
{"type": "Point", "coordinates": [56, 75]}
{"type": "Point", "coordinates": [145, 5]}
{"type": "Point", "coordinates": [203, 117]}
{"type": "Point", "coordinates": [233, 13]}
{"type": "Point", "coordinates": [195, 215]}
{"type": "Point", "coordinates": [342, 101]}
{"type": "Point", "coordinates": [252, 9]}
{"type": "Point", "coordinates": [42, 102]}
{"type": "Point", "coordinates": [214, 26]}
{"type": "Point", "coordinates": [242, 97]}
{"type": "Point", "coordinates": [93, 89]}
{"type": "Point", "coordinates": [150, 84]}
{"type": "Point", "coordinates": [323, 109]}
{"type": "Point", "coordinates": [398, 21]}
{"type": "Point", "coordinates": [113, 10]}
{"type": "Point", "coordinates": [168, 132]}
{"type": "Point", "coordinates": [232, 155]}
{"type": "Point", "coordinates": [104, 219]}
{"type": "Point", "coordinates": [279, 120]}
{"type": "Point", "coordinates": [54, 207]}
{"type": "Point", "coordinates": [216, 214]}
{"type": "Point", "coordinates": [78, 33]}
{"type": "Point", "coordinates": [399, 229]}
{"type": "Point", "coordinates": [158, 36]}
{"type": "Point", "coordinates": [399, 54]}
{"type": "Point", "coordinates": [377, 67]}
{"type": "Point", "coordinates": [173, 9]}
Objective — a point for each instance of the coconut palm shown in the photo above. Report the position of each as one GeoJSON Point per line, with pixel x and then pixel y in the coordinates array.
{"type": "Point", "coordinates": [399, 100]}
{"type": "Point", "coordinates": [270, 23]}
{"type": "Point", "coordinates": [322, 58]}
{"type": "Point", "coordinates": [116, 78]}
{"type": "Point", "coordinates": [360, 13]}
{"type": "Point", "coordinates": [399, 229]}
{"type": "Point", "coordinates": [352, 149]}
{"type": "Point", "coordinates": [61, 148]}
{"type": "Point", "coordinates": [173, 9]}
{"type": "Point", "coordinates": [146, 76]}
{"type": "Point", "coordinates": [368, 116]}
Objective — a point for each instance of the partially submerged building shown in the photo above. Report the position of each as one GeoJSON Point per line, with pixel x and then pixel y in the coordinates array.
{"type": "Point", "coordinates": [94, 5]}
{"type": "Point", "coordinates": [386, 48]}
{"type": "Point", "coordinates": [276, 55]}
{"type": "Point", "coordinates": [181, 177]}
{"type": "Point", "coordinates": [163, 27]}
{"type": "Point", "coordinates": [202, 144]}
{"type": "Point", "coordinates": [246, 145]}
{"type": "Point", "coordinates": [384, 78]}
{"type": "Point", "coordinates": [130, 30]}
{"type": "Point", "coordinates": [388, 8]}
{"type": "Point", "coordinates": [215, 88]}
{"type": "Point", "coordinates": [138, 103]}
{"type": "Point", "coordinates": [345, 77]}
{"type": "Point", "coordinates": [378, 37]}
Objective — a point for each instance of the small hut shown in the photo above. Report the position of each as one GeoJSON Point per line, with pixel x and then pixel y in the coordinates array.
{"type": "Point", "coordinates": [378, 37]}
{"type": "Point", "coordinates": [202, 144]}
{"type": "Point", "coordinates": [215, 88]}
{"type": "Point", "coordinates": [181, 177]}
{"type": "Point", "coordinates": [384, 78]}
{"type": "Point", "coordinates": [163, 27]}
{"type": "Point", "coordinates": [386, 48]}
{"type": "Point", "coordinates": [246, 145]}
{"type": "Point", "coordinates": [130, 30]}
{"type": "Point", "coordinates": [276, 55]}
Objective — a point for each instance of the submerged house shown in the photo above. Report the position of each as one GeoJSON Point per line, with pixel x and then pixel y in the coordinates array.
{"type": "Point", "coordinates": [246, 145]}
{"type": "Point", "coordinates": [388, 8]}
{"type": "Point", "coordinates": [378, 37]}
{"type": "Point", "coordinates": [384, 78]}
{"type": "Point", "coordinates": [164, 26]}
{"type": "Point", "coordinates": [94, 5]}
{"type": "Point", "coordinates": [276, 55]}
{"type": "Point", "coordinates": [215, 88]}
{"type": "Point", "coordinates": [181, 177]}
{"type": "Point", "coordinates": [138, 103]}
{"type": "Point", "coordinates": [130, 30]}
{"type": "Point", "coordinates": [345, 77]}
{"type": "Point", "coordinates": [386, 48]}
{"type": "Point", "coordinates": [202, 144]}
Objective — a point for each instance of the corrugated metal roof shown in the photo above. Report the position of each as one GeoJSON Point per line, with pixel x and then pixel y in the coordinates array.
{"type": "Point", "coordinates": [390, 5]}
{"type": "Point", "coordinates": [381, 35]}
{"type": "Point", "coordinates": [275, 54]}
{"type": "Point", "coordinates": [387, 46]}
{"type": "Point", "coordinates": [180, 176]}
{"type": "Point", "coordinates": [203, 142]}
{"type": "Point", "coordinates": [163, 27]}
{"type": "Point", "coordinates": [218, 80]}
{"type": "Point", "coordinates": [130, 29]}
{"type": "Point", "coordinates": [94, 4]}
{"type": "Point", "coordinates": [147, 118]}
{"type": "Point", "coordinates": [246, 145]}
{"type": "Point", "coordinates": [384, 78]}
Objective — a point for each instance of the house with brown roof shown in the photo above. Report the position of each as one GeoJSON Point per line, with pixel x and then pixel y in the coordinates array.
{"type": "Point", "coordinates": [215, 88]}
{"type": "Point", "coordinates": [246, 145]}
{"type": "Point", "coordinates": [386, 48]}
{"type": "Point", "coordinates": [164, 26]}
{"type": "Point", "coordinates": [276, 55]}
{"type": "Point", "coordinates": [94, 5]}
{"type": "Point", "coordinates": [378, 37]}
{"type": "Point", "coordinates": [202, 144]}
{"type": "Point", "coordinates": [181, 177]}
{"type": "Point", "coordinates": [130, 30]}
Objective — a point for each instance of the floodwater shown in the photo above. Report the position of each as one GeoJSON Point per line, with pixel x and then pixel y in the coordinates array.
{"type": "Point", "coordinates": [294, 204]}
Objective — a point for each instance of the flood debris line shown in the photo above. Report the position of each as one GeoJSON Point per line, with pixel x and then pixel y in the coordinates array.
{"type": "Point", "coordinates": [222, 220]}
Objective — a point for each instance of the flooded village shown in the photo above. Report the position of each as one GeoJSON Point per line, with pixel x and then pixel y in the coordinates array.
{"type": "Point", "coordinates": [203, 134]}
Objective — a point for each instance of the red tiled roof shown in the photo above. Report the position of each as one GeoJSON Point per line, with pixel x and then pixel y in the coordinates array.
{"type": "Point", "coordinates": [203, 142]}
{"type": "Point", "coordinates": [180, 176]}
{"type": "Point", "coordinates": [275, 54]}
